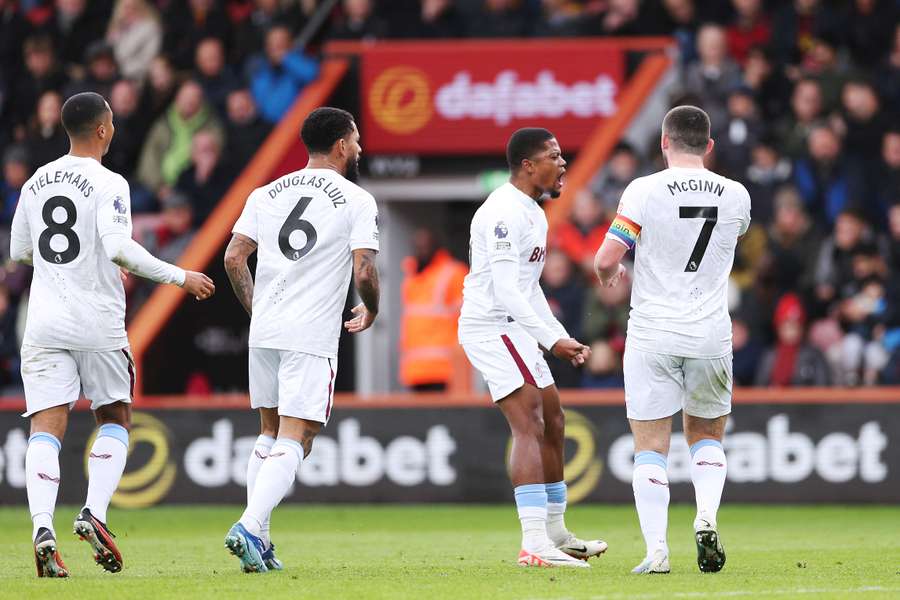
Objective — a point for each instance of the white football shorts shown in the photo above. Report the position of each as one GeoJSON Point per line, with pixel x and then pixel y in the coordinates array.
{"type": "Point", "coordinates": [53, 377]}
{"type": "Point", "coordinates": [659, 385]}
{"type": "Point", "coordinates": [508, 362]}
{"type": "Point", "coordinates": [299, 385]}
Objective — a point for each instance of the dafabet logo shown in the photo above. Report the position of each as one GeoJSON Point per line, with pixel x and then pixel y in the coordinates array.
{"type": "Point", "coordinates": [400, 100]}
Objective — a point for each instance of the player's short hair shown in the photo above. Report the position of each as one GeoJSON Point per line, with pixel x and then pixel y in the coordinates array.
{"type": "Point", "coordinates": [82, 113]}
{"type": "Point", "coordinates": [323, 127]}
{"type": "Point", "coordinates": [688, 129]}
{"type": "Point", "coordinates": [524, 144]}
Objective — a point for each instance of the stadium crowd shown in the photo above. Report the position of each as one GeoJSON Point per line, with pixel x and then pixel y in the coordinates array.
{"type": "Point", "coordinates": [803, 96]}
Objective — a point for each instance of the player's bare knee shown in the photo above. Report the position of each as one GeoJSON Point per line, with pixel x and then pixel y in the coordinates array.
{"type": "Point", "coordinates": [117, 413]}
{"type": "Point", "coordinates": [268, 422]}
{"type": "Point", "coordinates": [52, 420]}
{"type": "Point", "coordinates": [555, 426]}
{"type": "Point", "coordinates": [699, 428]}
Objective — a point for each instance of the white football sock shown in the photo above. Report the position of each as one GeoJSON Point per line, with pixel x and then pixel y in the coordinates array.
{"type": "Point", "coordinates": [257, 457]}
{"type": "Point", "coordinates": [556, 511]}
{"type": "Point", "coordinates": [531, 502]}
{"type": "Point", "coordinates": [275, 478]}
{"type": "Point", "coordinates": [708, 471]}
{"type": "Point", "coordinates": [105, 466]}
{"type": "Point", "coordinates": [651, 497]}
{"type": "Point", "coordinates": [42, 479]}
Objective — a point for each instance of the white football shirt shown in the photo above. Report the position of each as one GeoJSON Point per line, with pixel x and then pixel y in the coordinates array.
{"type": "Point", "coordinates": [77, 301]}
{"type": "Point", "coordinates": [684, 225]}
{"type": "Point", "coordinates": [509, 226]}
{"type": "Point", "coordinates": [305, 225]}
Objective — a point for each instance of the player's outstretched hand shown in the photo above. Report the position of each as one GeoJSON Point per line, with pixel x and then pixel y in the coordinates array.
{"type": "Point", "coordinates": [615, 279]}
{"type": "Point", "coordinates": [198, 285]}
{"type": "Point", "coordinates": [571, 350]}
{"type": "Point", "coordinates": [362, 321]}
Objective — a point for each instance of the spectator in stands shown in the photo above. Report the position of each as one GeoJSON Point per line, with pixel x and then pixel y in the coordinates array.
{"type": "Point", "coordinates": [500, 19]}
{"type": "Point", "coordinates": [359, 22]}
{"type": "Point", "coordinates": [796, 23]}
{"type": "Point", "coordinates": [432, 297]}
{"type": "Point", "coordinates": [277, 77]}
{"type": "Point", "coordinates": [822, 63]}
{"type": "Point", "coordinates": [606, 313]}
{"type": "Point", "coordinates": [13, 28]}
{"type": "Point", "coordinates": [16, 171]}
{"type": "Point", "coordinates": [250, 29]}
{"type": "Point", "coordinates": [125, 150]}
{"type": "Point", "coordinates": [893, 239]}
{"type": "Point", "coordinates": [765, 174]}
{"type": "Point", "coordinates": [868, 29]}
{"type": "Point", "coordinates": [245, 130]}
{"type": "Point", "coordinates": [43, 74]}
{"type": "Point", "coordinates": [683, 17]}
{"type": "Point", "coordinates": [175, 230]}
{"type": "Point", "coordinates": [826, 183]}
{"type": "Point", "coordinates": [792, 362]}
{"type": "Point", "coordinates": [793, 246]}
{"type": "Point", "coordinates": [167, 149]}
{"type": "Point", "coordinates": [751, 27]}
{"type": "Point", "coordinates": [9, 345]}
{"type": "Point", "coordinates": [887, 75]}
{"type": "Point", "coordinates": [75, 24]}
{"type": "Point", "coordinates": [604, 367]}
{"type": "Point", "coordinates": [46, 140]}
{"type": "Point", "coordinates": [561, 18]}
{"type": "Point", "coordinates": [886, 181]}
{"type": "Point", "coordinates": [564, 291]}
{"type": "Point", "coordinates": [213, 74]}
{"type": "Point", "coordinates": [623, 166]}
{"type": "Point", "coordinates": [861, 122]}
{"type": "Point", "coordinates": [861, 312]}
{"type": "Point", "coordinates": [746, 353]}
{"type": "Point", "coordinates": [580, 237]}
{"type": "Point", "coordinates": [738, 134]}
{"type": "Point", "coordinates": [207, 177]}
{"type": "Point", "coordinates": [834, 266]}
{"type": "Point", "coordinates": [102, 71]}
{"type": "Point", "coordinates": [186, 23]}
{"type": "Point", "coordinates": [135, 34]}
{"type": "Point", "coordinates": [434, 19]}
{"type": "Point", "coordinates": [160, 88]}
{"type": "Point", "coordinates": [806, 109]}
{"type": "Point", "coordinates": [771, 89]}
{"type": "Point", "coordinates": [714, 74]}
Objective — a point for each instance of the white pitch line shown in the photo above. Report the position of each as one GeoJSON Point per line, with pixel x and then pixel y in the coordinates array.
{"type": "Point", "coordinates": [736, 593]}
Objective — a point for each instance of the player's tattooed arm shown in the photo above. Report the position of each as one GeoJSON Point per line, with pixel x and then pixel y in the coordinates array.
{"type": "Point", "coordinates": [365, 277]}
{"type": "Point", "coordinates": [365, 274]}
{"type": "Point", "coordinates": [236, 254]}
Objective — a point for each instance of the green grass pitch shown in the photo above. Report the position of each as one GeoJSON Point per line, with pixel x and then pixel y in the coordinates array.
{"type": "Point", "coordinates": [459, 552]}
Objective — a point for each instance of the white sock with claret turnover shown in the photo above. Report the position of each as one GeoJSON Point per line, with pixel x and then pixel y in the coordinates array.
{"type": "Point", "coordinates": [275, 478]}
{"type": "Point", "coordinates": [106, 464]}
{"type": "Point", "coordinates": [42, 479]}
{"type": "Point", "coordinates": [257, 457]}
{"type": "Point", "coordinates": [651, 497]}
{"type": "Point", "coordinates": [708, 471]}
{"type": "Point", "coordinates": [531, 502]}
{"type": "Point", "coordinates": [556, 511]}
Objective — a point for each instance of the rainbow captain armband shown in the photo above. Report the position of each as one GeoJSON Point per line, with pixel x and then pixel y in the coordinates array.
{"type": "Point", "coordinates": [624, 230]}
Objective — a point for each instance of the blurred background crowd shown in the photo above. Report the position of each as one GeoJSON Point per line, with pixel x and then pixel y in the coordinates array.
{"type": "Point", "coordinates": [804, 97]}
